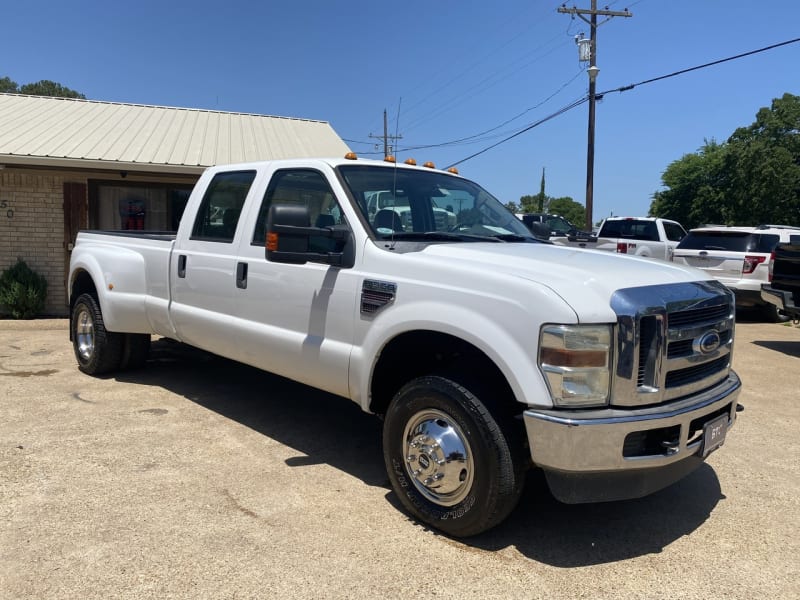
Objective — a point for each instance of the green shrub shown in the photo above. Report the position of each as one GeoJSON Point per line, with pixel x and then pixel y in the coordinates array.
{"type": "Point", "coordinates": [22, 291]}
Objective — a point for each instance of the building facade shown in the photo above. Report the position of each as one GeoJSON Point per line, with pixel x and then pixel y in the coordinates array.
{"type": "Point", "coordinates": [68, 164]}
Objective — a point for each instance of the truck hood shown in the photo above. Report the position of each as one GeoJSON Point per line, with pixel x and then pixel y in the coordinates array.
{"type": "Point", "coordinates": [585, 279]}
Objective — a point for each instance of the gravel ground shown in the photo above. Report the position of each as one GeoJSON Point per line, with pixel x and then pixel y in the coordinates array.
{"type": "Point", "coordinates": [200, 478]}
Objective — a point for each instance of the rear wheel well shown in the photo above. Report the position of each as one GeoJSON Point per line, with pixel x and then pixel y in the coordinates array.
{"type": "Point", "coordinates": [81, 284]}
{"type": "Point", "coordinates": [418, 353]}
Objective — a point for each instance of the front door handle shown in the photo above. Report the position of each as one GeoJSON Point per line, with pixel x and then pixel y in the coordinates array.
{"type": "Point", "coordinates": [182, 265]}
{"type": "Point", "coordinates": [241, 275]}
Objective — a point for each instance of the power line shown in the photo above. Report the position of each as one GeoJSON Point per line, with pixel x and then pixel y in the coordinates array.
{"type": "Point", "coordinates": [483, 135]}
{"type": "Point", "coordinates": [521, 131]}
{"type": "Point", "coordinates": [625, 89]}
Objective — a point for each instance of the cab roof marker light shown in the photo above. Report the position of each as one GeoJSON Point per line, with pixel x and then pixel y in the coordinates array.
{"type": "Point", "coordinates": [411, 161]}
{"type": "Point", "coordinates": [389, 159]}
{"type": "Point", "coordinates": [351, 156]}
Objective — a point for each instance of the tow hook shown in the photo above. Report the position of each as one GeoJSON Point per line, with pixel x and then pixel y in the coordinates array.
{"type": "Point", "coordinates": [670, 447]}
{"type": "Point", "coordinates": [739, 408]}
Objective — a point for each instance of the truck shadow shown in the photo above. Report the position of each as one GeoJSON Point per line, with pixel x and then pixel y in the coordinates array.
{"type": "Point", "coordinates": [579, 535]}
{"type": "Point", "coordinates": [787, 348]}
{"type": "Point", "coordinates": [327, 429]}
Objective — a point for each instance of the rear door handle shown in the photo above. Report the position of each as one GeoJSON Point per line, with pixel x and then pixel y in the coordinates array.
{"type": "Point", "coordinates": [182, 265]}
{"type": "Point", "coordinates": [241, 275]}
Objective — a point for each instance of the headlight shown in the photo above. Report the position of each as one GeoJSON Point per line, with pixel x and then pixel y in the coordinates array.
{"type": "Point", "coordinates": [576, 362]}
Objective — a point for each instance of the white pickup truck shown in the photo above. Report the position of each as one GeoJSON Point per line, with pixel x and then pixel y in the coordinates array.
{"type": "Point", "coordinates": [485, 351]}
{"type": "Point", "coordinates": [649, 237]}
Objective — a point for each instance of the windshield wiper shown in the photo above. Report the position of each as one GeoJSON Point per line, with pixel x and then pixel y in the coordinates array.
{"type": "Point", "coordinates": [514, 237]}
{"type": "Point", "coordinates": [439, 236]}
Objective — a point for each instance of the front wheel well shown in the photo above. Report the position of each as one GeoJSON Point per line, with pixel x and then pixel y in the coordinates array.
{"type": "Point", "coordinates": [418, 353]}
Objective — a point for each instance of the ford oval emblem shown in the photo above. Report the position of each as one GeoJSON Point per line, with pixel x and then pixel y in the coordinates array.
{"type": "Point", "coordinates": [708, 342]}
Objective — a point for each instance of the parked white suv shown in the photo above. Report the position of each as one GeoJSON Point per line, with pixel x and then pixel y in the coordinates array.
{"type": "Point", "coordinates": [739, 257]}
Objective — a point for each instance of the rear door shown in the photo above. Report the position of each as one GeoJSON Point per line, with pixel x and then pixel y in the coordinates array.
{"type": "Point", "coordinates": [673, 234]}
{"type": "Point", "coordinates": [203, 267]}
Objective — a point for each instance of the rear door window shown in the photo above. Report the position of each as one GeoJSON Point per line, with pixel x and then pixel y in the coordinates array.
{"type": "Point", "coordinates": [219, 212]}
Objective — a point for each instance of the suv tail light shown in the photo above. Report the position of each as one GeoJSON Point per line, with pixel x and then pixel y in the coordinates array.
{"type": "Point", "coordinates": [751, 262]}
{"type": "Point", "coordinates": [771, 266]}
{"type": "Point", "coordinates": [622, 247]}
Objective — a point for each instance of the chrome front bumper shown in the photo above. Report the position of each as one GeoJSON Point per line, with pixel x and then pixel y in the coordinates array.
{"type": "Point", "coordinates": [613, 454]}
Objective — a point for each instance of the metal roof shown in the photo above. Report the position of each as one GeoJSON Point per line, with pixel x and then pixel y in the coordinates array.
{"type": "Point", "coordinates": [67, 132]}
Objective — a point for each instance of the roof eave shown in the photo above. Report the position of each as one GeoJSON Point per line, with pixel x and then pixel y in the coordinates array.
{"type": "Point", "coordinates": [103, 165]}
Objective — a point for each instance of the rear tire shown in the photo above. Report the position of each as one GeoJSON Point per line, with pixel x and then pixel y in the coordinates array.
{"type": "Point", "coordinates": [97, 350]}
{"type": "Point", "coordinates": [773, 315]}
{"type": "Point", "coordinates": [135, 350]}
{"type": "Point", "coordinates": [448, 460]}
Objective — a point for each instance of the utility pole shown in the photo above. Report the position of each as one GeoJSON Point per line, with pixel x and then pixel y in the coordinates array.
{"type": "Point", "coordinates": [592, 71]}
{"type": "Point", "coordinates": [387, 149]}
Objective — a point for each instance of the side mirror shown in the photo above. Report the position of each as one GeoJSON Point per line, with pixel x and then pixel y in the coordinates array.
{"type": "Point", "coordinates": [287, 238]}
{"type": "Point", "coordinates": [540, 231]}
{"type": "Point", "coordinates": [289, 233]}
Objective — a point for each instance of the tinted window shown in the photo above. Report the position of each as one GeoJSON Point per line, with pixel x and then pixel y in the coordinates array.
{"type": "Point", "coordinates": [674, 232]}
{"type": "Point", "coordinates": [765, 242]}
{"type": "Point", "coordinates": [734, 241]}
{"type": "Point", "coordinates": [221, 207]}
{"type": "Point", "coordinates": [630, 229]}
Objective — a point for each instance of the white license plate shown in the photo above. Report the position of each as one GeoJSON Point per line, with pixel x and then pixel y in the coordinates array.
{"type": "Point", "coordinates": [714, 434]}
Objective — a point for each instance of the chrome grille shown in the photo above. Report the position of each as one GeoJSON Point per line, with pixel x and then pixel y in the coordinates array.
{"type": "Point", "coordinates": [672, 341]}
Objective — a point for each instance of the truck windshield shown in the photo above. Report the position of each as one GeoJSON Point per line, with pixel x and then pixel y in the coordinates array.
{"type": "Point", "coordinates": [407, 203]}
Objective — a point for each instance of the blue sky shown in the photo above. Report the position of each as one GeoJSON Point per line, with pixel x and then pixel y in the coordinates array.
{"type": "Point", "coordinates": [444, 71]}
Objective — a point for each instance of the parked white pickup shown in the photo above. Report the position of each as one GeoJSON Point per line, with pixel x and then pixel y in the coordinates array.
{"type": "Point", "coordinates": [486, 351]}
{"type": "Point", "coordinates": [641, 236]}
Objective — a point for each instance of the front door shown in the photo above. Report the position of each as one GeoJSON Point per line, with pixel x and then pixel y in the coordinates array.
{"type": "Point", "coordinates": [296, 320]}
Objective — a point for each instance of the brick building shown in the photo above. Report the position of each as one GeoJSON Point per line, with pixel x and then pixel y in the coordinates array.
{"type": "Point", "coordinates": [68, 164]}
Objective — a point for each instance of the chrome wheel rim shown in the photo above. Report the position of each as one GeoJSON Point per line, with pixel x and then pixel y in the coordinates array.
{"type": "Point", "coordinates": [84, 334]}
{"type": "Point", "coordinates": [438, 457]}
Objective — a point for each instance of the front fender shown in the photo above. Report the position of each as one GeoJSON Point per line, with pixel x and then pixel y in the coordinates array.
{"type": "Point", "coordinates": [512, 349]}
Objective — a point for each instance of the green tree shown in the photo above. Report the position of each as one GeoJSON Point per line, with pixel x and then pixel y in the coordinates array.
{"type": "Point", "coordinates": [45, 87]}
{"type": "Point", "coordinates": [753, 178]}
{"type": "Point", "coordinates": [696, 188]}
{"type": "Point", "coordinates": [6, 85]}
{"type": "Point", "coordinates": [529, 204]}
{"type": "Point", "coordinates": [541, 197]}
{"type": "Point", "coordinates": [572, 211]}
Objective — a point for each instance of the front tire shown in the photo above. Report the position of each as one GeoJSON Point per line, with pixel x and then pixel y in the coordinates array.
{"type": "Point", "coordinates": [97, 350]}
{"type": "Point", "coordinates": [449, 461]}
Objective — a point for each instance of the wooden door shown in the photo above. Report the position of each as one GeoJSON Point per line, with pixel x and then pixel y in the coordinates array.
{"type": "Point", "coordinates": [76, 209]}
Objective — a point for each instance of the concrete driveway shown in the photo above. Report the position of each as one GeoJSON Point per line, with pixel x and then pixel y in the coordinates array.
{"type": "Point", "coordinates": [200, 478]}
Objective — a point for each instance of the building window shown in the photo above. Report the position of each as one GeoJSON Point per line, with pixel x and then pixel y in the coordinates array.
{"type": "Point", "coordinates": [150, 207]}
